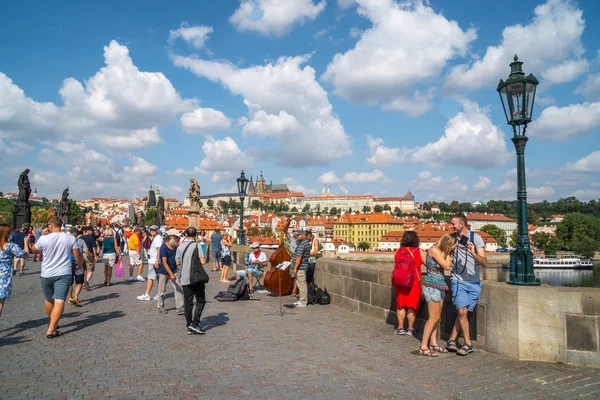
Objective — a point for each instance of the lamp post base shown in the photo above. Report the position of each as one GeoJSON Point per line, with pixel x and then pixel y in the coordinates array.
{"type": "Point", "coordinates": [521, 268]}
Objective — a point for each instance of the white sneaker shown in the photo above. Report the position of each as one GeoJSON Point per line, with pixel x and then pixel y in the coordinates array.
{"type": "Point", "coordinates": [300, 305]}
{"type": "Point", "coordinates": [156, 297]}
{"type": "Point", "coordinates": [141, 278]}
{"type": "Point", "coordinates": [144, 297]}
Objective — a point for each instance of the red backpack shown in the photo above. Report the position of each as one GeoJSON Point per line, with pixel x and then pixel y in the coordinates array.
{"type": "Point", "coordinates": [404, 269]}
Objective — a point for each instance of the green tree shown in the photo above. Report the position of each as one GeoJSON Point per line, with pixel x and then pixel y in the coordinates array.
{"type": "Point", "coordinates": [149, 216]}
{"type": "Point", "coordinates": [554, 244]}
{"type": "Point", "coordinates": [256, 204]}
{"type": "Point", "coordinates": [496, 232]}
{"type": "Point", "coordinates": [210, 203]}
{"type": "Point", "coordinates": [378, 208]}
{"type": "Point", "coordinates": [387, 207]}
{"type": "Point", "coordinates": [306, 208]}
{"type": "Point", "coordinates": [584, 246]}
{"type": "Point", "coordinates": [513, 238]}
{"type": "Point", "coordinates": [39, 215]}
{"type": "Point", "coordinates": [364, 246]}
{"type": "Point", "coordinates": [77, 216]}
{"type": "Point", "coordinates": [366, 209]}
{"type": "Point", "coordinates": [397, 211]}
{"type": "Point", "coordinates": [96, 207]}
{"type": "Point", "coordinates": [222, 205]}
{"type": "Point", "coordinates": [294, 209]}
{"type": "Point", "coordinates": [540, 240]}
{"type": "Point", "coordinates": [333, 211]}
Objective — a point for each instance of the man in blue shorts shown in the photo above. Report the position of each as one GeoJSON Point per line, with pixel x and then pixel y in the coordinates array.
{"type": "Point", "coordinates": [469, 257]}
{"type": "Point", "coordinates": [57, 272]}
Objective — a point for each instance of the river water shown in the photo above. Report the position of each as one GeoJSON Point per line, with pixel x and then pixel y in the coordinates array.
{"type": "Point", "coordinates": [553, 277]}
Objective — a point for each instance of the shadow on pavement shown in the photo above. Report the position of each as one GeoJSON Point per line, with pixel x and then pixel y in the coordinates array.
{"type": "Point", "coordinates": [7, 341]}
{"type": "Point", "coordinates": [99, 298]}
{"type": "Point", "coordinates": [92, 320]}
{"type": "Point", "coordinates": [213, 321]}
{"type": "Point", "coordinates": [35, 323]}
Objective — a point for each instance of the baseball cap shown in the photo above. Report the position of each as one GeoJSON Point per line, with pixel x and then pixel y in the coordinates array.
{"type": "Point", "coordinates": [154, 228]}
{"type": "Point", "coordinates": [298, 233]}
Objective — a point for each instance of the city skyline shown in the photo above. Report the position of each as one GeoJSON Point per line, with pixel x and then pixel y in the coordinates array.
{"type": "Point", "coordinates": [360, 96]}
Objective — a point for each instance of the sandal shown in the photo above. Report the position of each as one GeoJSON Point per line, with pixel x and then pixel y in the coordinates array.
{"type": "Point", "coordinates": [400, 331]}
{"type": "Point", "coordinates": [54, 335]}
{"type": "Point", "coordinates": [438, 349]}
{"type": "Point", "coordinates": [427, 353]}
{"type": "Point", "coordinates": [451, 346]}
{"type": "Point", "coordinates": [465, 349]}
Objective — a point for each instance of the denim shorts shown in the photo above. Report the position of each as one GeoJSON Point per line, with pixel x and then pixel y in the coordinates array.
{"type": "Point", "coordinates": [432, 294]}
{"type": "Point", "coordinates": [465, 294]}
{"type": "Point", "coordinates": [56, 287]}
{"type": "Point", "coordinates": [226, 261]}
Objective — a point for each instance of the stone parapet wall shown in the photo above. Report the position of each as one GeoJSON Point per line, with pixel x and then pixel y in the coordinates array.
{"type": "Point", "coordinates": [545, 323]}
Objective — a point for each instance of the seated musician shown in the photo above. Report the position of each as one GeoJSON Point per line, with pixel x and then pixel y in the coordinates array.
{"type": "Point", "coordinates": [256, 264]}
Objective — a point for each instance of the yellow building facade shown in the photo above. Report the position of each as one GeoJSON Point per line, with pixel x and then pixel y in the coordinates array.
{"type": "Point", "coordinates": [368, 228]}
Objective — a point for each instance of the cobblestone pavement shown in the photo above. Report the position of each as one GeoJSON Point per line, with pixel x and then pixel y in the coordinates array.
{"type": "Point", "coordinates": [120, 348]}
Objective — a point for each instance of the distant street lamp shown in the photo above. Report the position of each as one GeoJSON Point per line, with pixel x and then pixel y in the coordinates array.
{"type": "Point", "coordinates": [517, 94]}
{"type": "Point", "coordinates": [242, 184]}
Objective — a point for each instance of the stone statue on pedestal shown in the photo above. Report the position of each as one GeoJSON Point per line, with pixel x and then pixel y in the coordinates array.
{"type": "Point", "coordinates": [194, 196]}
{"type": "Point", "coordinates": [159, 218]}
{"type": "Point", "coordinates": [63, 210]}
{"type": "Point", "coordinates": [22, 208]}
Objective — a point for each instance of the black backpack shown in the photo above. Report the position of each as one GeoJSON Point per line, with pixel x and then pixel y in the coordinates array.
{"type": "Point", "coordinates": [323, 298]}
{"type": "Point", "coordinates": [198, 275]}
{"type": "Point", "coordinates": [312, 293]}
{"type": "Point", "coordinates": [236, 291]}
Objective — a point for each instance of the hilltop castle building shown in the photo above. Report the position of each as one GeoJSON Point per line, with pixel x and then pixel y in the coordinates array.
{"type": "Point", "coordinates": [261, 187]}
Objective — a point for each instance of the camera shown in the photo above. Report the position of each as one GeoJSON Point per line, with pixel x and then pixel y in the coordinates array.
{"type": "Point", "coordinates": [463, 240]}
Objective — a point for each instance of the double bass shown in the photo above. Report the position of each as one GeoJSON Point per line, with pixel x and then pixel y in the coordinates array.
{"type": "Point", "coordinates": [279, 281]}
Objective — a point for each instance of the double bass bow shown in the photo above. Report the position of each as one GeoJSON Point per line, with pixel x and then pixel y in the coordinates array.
{"type": "Point", "coordinates": [279, 281]}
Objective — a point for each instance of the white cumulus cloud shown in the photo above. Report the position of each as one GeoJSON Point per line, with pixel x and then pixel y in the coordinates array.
{"type": "Point", "coordinates": [408, 45]}
{"type": "Point", "coordinates": [590, 89]}
{"type": "Point", "coordinates": [376, 176]}
{"type": "Point", "coordinates": [470, 139]}
{"type": "Point", "coordinates": [587, 164]}
{"type": "Point", "coordinates": [563, 123]}
{"type": "Point", "coordinates": [565, 72]}
{"type": "Point", "coordinates": [195, 35]}
{"type": "Point", "coordinates": [284, 101]}
{"type": "Point", "coordinates": [552, 36]}
{"type": "Point", "coordinates": [204, 120]}
{"type": "Point", "coordinates": [382, 156]}
{"type": "Point", "coordinates": [274, 17]}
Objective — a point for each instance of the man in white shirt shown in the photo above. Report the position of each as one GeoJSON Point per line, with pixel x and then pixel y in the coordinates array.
{"type": "Point", "coordinates": [257, 262]}
{"type": "Point", "coordinates": [57, 273]}
{"type": "Point", "coordinates": [153, 254]}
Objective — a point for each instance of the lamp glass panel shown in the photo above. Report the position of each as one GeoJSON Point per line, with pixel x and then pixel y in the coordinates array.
{"type": "Point", "coordinates": [515, 91]}
{"type": "Point", "coordinates": [530, 89]}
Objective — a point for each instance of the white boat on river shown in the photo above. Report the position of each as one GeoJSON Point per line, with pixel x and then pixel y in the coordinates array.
{"type": "Point", "coordinates": [565, 262]}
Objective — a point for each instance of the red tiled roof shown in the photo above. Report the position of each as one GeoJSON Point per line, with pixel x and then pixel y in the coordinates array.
{"type": "Point", "coordinates": [488, 217]}
{"type": "Point", "coordinates": [376, 218]}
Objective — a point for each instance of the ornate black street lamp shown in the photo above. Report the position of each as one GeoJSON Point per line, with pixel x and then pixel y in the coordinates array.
{"type": "Point", "coordinates": [242, 184]}
{"type": "Point", "coordinates": [517, 94]}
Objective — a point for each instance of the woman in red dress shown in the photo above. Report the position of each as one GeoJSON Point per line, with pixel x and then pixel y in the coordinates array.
{"type": "Point", "coordinates": [407, 299]}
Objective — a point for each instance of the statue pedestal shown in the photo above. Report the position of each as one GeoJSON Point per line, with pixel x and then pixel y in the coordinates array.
{"type": "Point", "coordinates": [194, 217]}
{"type": "Point", "coordinates": [21, 214]}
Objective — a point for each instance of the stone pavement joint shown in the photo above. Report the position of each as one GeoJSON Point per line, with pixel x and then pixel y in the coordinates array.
{"type": "Point", "coordinates": [116, 347]}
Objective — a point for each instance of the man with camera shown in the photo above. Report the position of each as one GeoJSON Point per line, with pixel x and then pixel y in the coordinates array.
{"type": "Point", "coordinates": [469, 256]}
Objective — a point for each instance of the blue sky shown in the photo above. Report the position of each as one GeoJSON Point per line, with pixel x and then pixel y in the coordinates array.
{"type": "Point", "coordinates": [365, 96]}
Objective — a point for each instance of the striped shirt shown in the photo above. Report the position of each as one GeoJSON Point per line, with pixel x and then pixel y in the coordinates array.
{"type": "Point", "coordinates": [303, 251]}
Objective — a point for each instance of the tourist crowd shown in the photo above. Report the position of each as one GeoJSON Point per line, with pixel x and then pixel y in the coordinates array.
{"type": "Point", "coordinates": [69, 256]}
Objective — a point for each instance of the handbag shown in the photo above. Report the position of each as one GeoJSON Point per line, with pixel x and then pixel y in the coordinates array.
{"type": "Point", "coordinates": [119, 269]}
{"type": "Point", "coordinates": [198, 275]}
